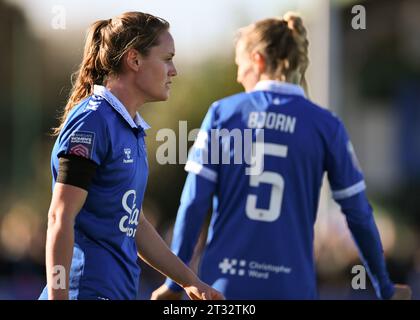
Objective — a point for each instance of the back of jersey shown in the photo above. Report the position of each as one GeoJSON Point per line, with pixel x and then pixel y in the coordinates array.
{"type": "Point", "coordinates": [261, 233]}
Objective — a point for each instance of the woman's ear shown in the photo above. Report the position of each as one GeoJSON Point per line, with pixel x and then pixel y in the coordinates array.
{"type": "Point", "coordinates": [258, 60]}
{"type": "Point", "coordinates": [132, 60]}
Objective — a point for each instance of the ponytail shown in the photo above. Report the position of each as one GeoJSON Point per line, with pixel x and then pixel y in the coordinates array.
{"type": "Point", "coordinates": [90, 71]}
{"type": "Point", "coordinates": [284, 44]}
{"type": "Point", "coordinates": [295, 24]}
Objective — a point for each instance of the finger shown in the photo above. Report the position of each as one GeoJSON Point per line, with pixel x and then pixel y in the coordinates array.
{"type": "Point", "coordinates": [220, 296]}
{"type": "Point", "coordinates": [216, 295]}
{"type": "Point", "coordinates": [408, 293]}
{"type": "Point", "coordinates": [193, 294]}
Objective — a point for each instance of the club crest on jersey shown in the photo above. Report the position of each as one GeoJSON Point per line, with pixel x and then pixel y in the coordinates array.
{"type": "Point", "coordinates": [81, 144]}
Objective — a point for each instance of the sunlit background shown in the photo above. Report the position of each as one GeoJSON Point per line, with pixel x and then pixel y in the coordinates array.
{"type": "Point", "coordinates": [370, 78]}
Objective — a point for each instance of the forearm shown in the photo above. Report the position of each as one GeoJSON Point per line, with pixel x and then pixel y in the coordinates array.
{"type": "Point", "coordinates": [154, 251]}
{"type": "Point", "coordinates": [59, 252]}
{"type": "Point", "coordinates": [369, 243]}
{"type": "Point", "coordinates": [366, 235]}
{"type": "Point", "coordinates": [195, 203]}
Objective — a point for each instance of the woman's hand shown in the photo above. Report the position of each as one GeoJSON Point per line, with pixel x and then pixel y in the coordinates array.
{"type": "Point", "coordinates": [201, 291]}
{"type": "Point", "coordinates": [164, 293]}
{"type": "Point", "coordinates": [402, 292]}
{"type": "Point", "coordinates": [196, 291]}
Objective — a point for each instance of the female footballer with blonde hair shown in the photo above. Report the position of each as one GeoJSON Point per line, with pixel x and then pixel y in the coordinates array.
{"type": "Point", "coordinates": [260, 239]}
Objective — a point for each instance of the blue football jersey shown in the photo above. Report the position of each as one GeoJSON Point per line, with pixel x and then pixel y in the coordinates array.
{"type": "Point", "coordinates": [104, 263]}
{"type": "Point", "coordinates": [260, 239]}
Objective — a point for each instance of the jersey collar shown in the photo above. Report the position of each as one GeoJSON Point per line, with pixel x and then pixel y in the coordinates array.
{"type": "Point", "coordinates": [279, 87]}
{"type": "Point", "coordinates": [119, 107]}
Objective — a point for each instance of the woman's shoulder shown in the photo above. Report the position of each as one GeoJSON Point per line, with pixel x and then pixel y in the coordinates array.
{"type": "Point", "coordinates": [318, 111]}
{"type": "Point", "coordinates": [93, 107]}
{"type": "Point", "coordinates": [233, 99]}
{"type": "Point", "coordinates": [93, 112]}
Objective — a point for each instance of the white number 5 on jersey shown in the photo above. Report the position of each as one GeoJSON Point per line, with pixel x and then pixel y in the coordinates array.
{"type": "Point", "coordinates": [275, 179]}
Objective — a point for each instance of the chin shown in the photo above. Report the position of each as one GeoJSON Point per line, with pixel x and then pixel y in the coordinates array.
{"type": "Point", "coordinates": [164, 97]}
{"type": "Point", "coordinates": [160, 97]}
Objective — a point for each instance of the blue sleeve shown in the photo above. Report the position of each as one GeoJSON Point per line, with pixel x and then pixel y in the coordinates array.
{"type": "Point", "coordinates": [86, 136]}
{"type": "Point", "coordinates": [348, 189]}
{"type": "Point", "coordinates": [366, 235]}
{"type": "Point", "coordinates": [196, 196]}
{"type": "Point", "coordinates": [343, 169]}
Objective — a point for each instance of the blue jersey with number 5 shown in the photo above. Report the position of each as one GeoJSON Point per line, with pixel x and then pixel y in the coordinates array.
{"type": "Point", "coordinates": [264, 175]}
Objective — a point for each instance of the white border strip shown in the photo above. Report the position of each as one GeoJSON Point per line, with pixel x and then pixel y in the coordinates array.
{"type": "Point", "coordinates": [350, 191]}
{"type": "Point", "coordinates": [200, 170]}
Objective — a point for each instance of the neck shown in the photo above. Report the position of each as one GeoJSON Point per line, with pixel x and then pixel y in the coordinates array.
{"type": "Point", "coordinates": [123, 89]}
{"type": "Point", "coordinates": [293, 78]}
